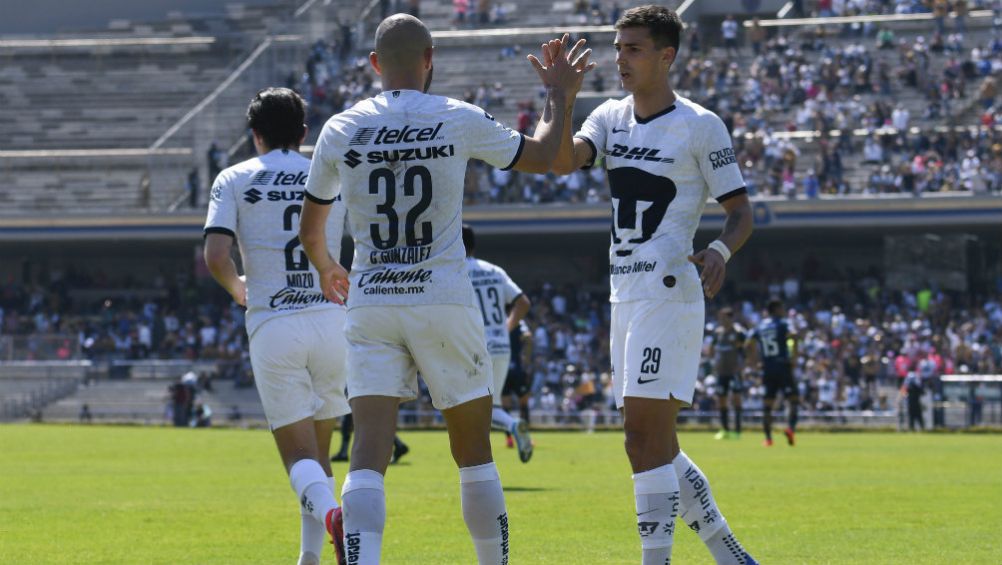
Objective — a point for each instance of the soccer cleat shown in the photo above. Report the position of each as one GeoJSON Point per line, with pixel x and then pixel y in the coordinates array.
{"type": "Point", "coordinates": [521, 432]}
{"type": "Point", "coordinates": [399, 451]}
{"type": "Point", "coordinates": [789, 436]}
{"type": "Point", "coordinates": [767, 442]}
{"type": "Point", "coordinates": [749, 560]}
{"type": "Point", "coordinates": [335, 527]}
{"type": "Point", "coordinates": [508, 441]}
{"type": "Point", "coordinates": [722, 434]}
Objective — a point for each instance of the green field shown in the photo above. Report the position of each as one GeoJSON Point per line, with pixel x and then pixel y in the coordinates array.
{"type": "Point", "coordinates": [135, 495]}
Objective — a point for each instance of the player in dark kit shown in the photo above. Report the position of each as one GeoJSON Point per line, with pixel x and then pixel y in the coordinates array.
{"type": "Point", "coordinates": [769, 342]}
{"type": "Point", "coordinates": [727, 343]}
{"type": "Point", "coordinates": [518, 383]}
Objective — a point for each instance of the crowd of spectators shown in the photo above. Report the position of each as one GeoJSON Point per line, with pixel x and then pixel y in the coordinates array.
{"type": "Point", "coordinates": [824, 78]}
{"type": "Point", "coordinates": [855, 346]}
{"type": "Point", "coordinates": [856, 342]}
{"type": "Point", "coordinates": [859, 85]}
{"type": "Point", "coordinates": [333, 79]}
{"type": "Point", "coordinates": [864, 90]}
{"type": "Point", "coordinates": [76, 314]}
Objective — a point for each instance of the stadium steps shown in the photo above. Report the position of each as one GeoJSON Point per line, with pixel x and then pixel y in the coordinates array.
{"type": "Point", "coordinates": [20, 396]}
{"type": "Point", "coordinates": [146, 401]}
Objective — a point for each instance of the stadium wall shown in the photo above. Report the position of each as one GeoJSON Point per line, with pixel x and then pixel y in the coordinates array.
{"type": "Point", "coordinates": [59, 16]}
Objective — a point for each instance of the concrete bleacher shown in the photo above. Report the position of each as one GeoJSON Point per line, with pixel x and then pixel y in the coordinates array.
{"type": "Point", "coordinates": [20, 396]}
{"type": "Point", "coordinates": [120, 89]}
{"type": "Point", "coordinates": [146, 401]}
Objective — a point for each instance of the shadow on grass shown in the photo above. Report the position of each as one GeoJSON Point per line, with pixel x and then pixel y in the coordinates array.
{"type": "Point", "coordinates": [526, 489]}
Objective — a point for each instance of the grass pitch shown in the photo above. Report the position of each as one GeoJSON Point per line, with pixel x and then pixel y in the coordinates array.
{"type": "Point", "coordinates": [130, 495]}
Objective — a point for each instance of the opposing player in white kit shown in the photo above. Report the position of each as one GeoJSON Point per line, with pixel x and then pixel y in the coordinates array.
{"type": "Point", "coordinates": [399, 160]}
{"type": "Point", "coordinates": [665, 155]}
{"type": "Point", "coordinates": [497, 294]}
{"type": "Point", "coordinates": [297, 345]}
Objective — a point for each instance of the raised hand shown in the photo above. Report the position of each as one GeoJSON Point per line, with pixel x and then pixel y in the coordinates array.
{"type": "Point", "coordinates": [561, 68]}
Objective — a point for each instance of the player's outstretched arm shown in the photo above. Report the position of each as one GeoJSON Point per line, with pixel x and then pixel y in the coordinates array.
{"type": "Point", "coordinates": [573, 153]}
{"type": "Point", "coordinates": [313, 236]}
{"type": "Point", "coordinates": [737, 229]}
{"type": "Point", "coordinates": [562, 79]}
{"type": "Point", "coordinates": [218, 259]}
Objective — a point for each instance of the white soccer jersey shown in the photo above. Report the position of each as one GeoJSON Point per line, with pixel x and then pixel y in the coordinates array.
{"type": "Point", "coordinates": [399, 161]}
{"type": "Point", "coordinates": [661, 170]}
{"type": "Point", "coordinates": [259, 202]}
{"type": "Point", "coordinates": [495, 291]}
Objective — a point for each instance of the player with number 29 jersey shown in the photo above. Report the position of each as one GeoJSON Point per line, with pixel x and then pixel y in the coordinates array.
{"type": "Point", "coordinates": [661, 171]}
{"type": "Point", "coordinates": [387, 156]}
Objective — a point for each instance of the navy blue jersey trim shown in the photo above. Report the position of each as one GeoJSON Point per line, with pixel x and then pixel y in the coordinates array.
{"type": "Point", "coordinates": [733, 193]}
{"type": "Point", "coordinates": [652, 117]}
{"type": "Point", "coordinates": [316, 200]}
{"type": "Point", "coordinates": [224, 231]}
{"type": "Point", "coordinates": [594, 152]}
{"type": "Point", "coordinates": [518, 154]}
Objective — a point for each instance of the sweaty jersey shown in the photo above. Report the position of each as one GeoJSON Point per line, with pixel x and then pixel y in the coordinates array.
{"type": "Point", "coordinates": [661, 170]}
{"type": "Point", "coordinates": [771, 335]}
{"type": "Point", "coordinates": [398, 159]}
{"type": "Point", "coordinates": [495, 291]}
{"type": "Point", "coordinates": [259, 202]}
{"type": "Point", "coordinates": [727, 343]}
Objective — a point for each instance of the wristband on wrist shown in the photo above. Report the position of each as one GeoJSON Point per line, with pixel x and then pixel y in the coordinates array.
{"type": "Point", "coordinates": [720, 247]}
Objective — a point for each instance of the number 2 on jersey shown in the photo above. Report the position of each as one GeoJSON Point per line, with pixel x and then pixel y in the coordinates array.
{"type": "Point", "coordinates": [384, 177]}
{"type": "Point", "coordinates": [294, 261]}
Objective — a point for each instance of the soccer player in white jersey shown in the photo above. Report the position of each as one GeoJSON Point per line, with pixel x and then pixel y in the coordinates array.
{"type": "Point", "coordinates": [664, 155]}
{"type": "Point", "coordinates": [399, 159]}
{"type": "Point", "coordinates": [497, 294]}
{"type": "Point", "coordinates": [297, 344]}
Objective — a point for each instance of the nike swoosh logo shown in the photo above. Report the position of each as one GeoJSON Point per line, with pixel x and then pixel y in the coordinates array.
{"type": "Point", "coordinates": [648, 512]}
{"type": "Point", "coordinates": [643, 381]}
{"type": "Point", "coordinates": [614, 130]}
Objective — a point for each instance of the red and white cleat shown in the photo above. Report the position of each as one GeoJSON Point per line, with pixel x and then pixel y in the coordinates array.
{"type": "Point", "coordinates": [335, 527]}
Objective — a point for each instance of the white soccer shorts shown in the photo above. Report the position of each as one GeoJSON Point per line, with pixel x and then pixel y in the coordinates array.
{"type": "Point", "coordinates": [655, 348]}
{"type": "Point", "coordinates": [500, 362]}
{"type": "Point", "coordinates": [388, 345]}
{"type": "Point", "coordinates": [299, 363]}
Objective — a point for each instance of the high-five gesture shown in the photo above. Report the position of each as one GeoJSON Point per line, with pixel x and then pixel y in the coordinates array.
{"type": "Point", "coordinates": [561, 68]}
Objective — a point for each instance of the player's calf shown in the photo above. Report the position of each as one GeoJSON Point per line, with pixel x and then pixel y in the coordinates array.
{"type": "Point", "coordinates": [364, 516]}
{"type": "Point", "coordinates": [485, 513]}
{"type": "Point", "coordinates": [699, 511]}
{"type": "Point", "coordinates": [656, 493]}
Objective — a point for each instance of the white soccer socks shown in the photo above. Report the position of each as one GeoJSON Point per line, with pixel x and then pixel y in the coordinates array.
{"type": "Point", "coordinates": [501, 419]}
{"type": "Point", "coordinates": [364, 507]}
{"type": "Point", "coordinates": [699, 510]}
{"type": "Point", "coordinates": [657, 497]}
{"type": "Point", "coordinates": [313, 487]}
{"type": "Point", "coordinates": [312, 534]}
{"type": "Point", "coordinates": [484, 512]}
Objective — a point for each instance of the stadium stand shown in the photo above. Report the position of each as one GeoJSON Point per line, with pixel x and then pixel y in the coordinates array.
{"type": "Point", "coordinates": [113, 122]}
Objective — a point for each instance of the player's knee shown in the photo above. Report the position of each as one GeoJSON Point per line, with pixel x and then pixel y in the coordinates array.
{"type": "Point", "coordinates": [641, 442]}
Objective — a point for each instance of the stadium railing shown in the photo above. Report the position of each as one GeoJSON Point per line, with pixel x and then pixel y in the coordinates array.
{"type": "Point", "coordinates": [28, 386]}
{"type": "Point", "coordinates": [970, 401]}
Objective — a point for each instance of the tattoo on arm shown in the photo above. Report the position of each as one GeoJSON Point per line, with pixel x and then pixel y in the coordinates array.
{"type": "Point", "coordinates": [736, 230]}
